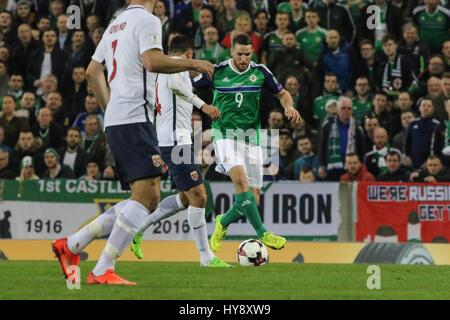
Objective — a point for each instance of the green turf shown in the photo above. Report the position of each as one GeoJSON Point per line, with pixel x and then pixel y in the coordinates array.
{"type": "Point", "coordinates": [185, 281]}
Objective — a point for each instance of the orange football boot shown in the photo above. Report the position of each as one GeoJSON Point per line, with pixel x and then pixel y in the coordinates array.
{"type": "Point", "coordinates": [110, 277]}
{"type": "Point", "coordinates": [67, 260]}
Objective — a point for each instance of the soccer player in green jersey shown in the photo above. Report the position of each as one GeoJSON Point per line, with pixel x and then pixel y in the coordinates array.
{"type": "Point", "coordinates": [237, 87]}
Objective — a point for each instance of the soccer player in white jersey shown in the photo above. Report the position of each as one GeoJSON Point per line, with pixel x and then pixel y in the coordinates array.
{"type": "Point", "coordinates": [129, 48]}
{"type": "Point", "coordinates": [175, 101]}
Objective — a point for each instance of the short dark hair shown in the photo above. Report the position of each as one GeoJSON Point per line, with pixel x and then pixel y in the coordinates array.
{"type": "Point", "coordinates": [394, 153]}
{"type": "Point", "coordinates": [352, 154]}
{"type": "Point", "coordinates": [258, 12]}
{"type": "Point", "coordinates": [388, 37]}
{"type": "Point", "coordinates": [306, 169]}
{"type": "Point", "coordinates": [365, 41]}
{"type": "Point", "coordinates": [311, 10]}
{"type": "Point", "coordinates": [242, 39]}
{"type": "Point", "coordinates": [74, 129]}
{"type": "Point", "coordinates": [181, 44]}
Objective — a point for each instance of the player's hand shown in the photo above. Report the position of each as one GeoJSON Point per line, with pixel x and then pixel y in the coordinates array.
{"type": "Point", "coordinates": [211, 111]}
{"type": "Point", "coordinates": [293, 115]}
{"type": "Point", "coordinates": [203, 66]}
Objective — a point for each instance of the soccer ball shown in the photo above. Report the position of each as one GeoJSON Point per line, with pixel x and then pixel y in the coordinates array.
{"type": "Point", "coordinates": [252, 253]}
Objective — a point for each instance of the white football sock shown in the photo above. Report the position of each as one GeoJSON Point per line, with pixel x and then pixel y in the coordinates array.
{"type": "Point", "coordinates": [197, 222]}
{"type": "Point", "coordinates": [132, 215]}
{"type": "Point", "coordinates": [98, 228]}
{"type": "Point", "coordinates": [168, 207]}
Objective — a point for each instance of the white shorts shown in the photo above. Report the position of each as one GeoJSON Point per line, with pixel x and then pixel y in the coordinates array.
{"type": "Point", "coordinates": [231, 153]}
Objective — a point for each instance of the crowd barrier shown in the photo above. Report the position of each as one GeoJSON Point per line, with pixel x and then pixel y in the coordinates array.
{"type": "Point", "coordinates": [390, 222]}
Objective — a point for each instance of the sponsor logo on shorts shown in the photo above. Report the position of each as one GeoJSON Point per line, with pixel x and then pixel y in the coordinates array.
{"type": "Point", "coordinates": [194, 175]}
{"type": "Point", "coordinates": [156, 160]}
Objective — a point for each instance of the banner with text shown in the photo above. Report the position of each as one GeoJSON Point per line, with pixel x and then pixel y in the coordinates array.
{"type": "Point", "coordinates": [399, 212]}
{"type": "Point", "coordinates": [49, 209]}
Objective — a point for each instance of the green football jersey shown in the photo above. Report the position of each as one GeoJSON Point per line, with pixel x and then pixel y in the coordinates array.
{"type": "Point", "coordinates": [319, 111]}
{"type": "Point", "coordinates": [433, 29]}
{"type": "Point", "coordinates": [311, 43]}
{"type": "Point", "coordinates": [361, 108]}
{"type": "Point", "coordinates": [238, 95]}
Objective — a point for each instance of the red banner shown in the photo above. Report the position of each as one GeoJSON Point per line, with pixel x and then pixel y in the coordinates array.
{"type": "Point", "coordinates": [402, 212]}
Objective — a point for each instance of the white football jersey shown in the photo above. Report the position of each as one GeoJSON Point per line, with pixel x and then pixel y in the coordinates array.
{"type": "Point", "coordinates": [175, 98]}
{"type": "Point", "coordinates": [131, 34]}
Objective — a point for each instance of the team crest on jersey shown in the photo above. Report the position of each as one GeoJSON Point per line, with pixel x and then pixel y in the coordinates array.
{"type": "Point", "coordinates": [397, 83]}
{"type": "Point", "coordinates": [194, 175]}
{"type": "Point", "coordinates": [253, 78]}
{"type": "Point", "coordinates": [156, 160]}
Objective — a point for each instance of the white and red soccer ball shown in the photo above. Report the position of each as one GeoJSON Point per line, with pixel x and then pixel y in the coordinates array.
{"type": "Point", "coordinates": [252, 253]}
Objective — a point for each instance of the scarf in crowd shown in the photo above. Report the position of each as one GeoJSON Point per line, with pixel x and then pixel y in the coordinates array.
{"type": "Point", "coordinates": [92, 145]}
{"type": "Point", "coordinates": [334, 144]}
{"type": "Point", "coordinates": [392, 77]}
{"type": "Point", "coordinates": [380, 156]}
{"type": "Point", "coordinates": [446, 150]}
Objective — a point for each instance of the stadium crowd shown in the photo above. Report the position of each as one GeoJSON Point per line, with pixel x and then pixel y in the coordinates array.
{"type": "Point", "coordinates": [374, 92]}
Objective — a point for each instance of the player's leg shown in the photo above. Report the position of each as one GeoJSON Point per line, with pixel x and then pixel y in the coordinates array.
{"type": "Point", "coordinates": [167, 208]}
{"type": "Point", "coordinates": [144, 198]}
{"type": "Point", "coordinates": [196, 218]}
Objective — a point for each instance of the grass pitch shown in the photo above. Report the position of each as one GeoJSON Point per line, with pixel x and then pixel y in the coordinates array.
{"type": "Point", "coordinates": [188, 281]}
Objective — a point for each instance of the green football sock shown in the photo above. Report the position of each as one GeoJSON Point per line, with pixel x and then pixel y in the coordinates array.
{"type": "Point", "coordinates": [245, 204]}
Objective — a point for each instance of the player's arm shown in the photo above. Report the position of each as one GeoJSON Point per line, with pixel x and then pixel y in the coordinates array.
{"type": "Point", "coordinates": [177, 84]}
{"type": "Point", "coordinates": [155, 61]}
{"type": "Point", "coordinates": [288, 104]}
{"type": "Point", "coordinates": [96, 80]}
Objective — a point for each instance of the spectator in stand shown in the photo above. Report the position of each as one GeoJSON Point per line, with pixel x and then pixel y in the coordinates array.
{"type": "Point", "coordinates": [273, 41]}
{"type": "Point", "coordinates": [399, 139]}
{"type": "Point", "coordinates": [217, 5]}
{"type": "Point", "coordinates": [433, 171]}
{"type": "Point", "coordinates": [188, 21]}
{"type": "Point", "coordinates": [391, 21]}
{"type": "Point", "coordinates": [91, 107]}
{"type": "Point", "coordinates": [24, 14]}
{"type": "Point", "coordinates": [59, 112]}
{"type": "Point", "coordinates": [311, 37]}
{"type": "Point", "coordinates": [293, 87]}
{"type": "Point", "coordinates": [410, 45]}
{"type": "Point", "coordinates": [290, 60]}
{"type": "Point", "coordinates": [396, 72]}
{"type": "Point", "coordinates": [72, 154]}
{"type": "Point", "coordinates": [12, 124]}
{"type": "Point", "coordinates": [252, 6]}
{"type": "Point", "coordinates": [338, 137]}
{"type": "Point", "coordinates": [27, 170]}
{"type": "Point", "coordinates": [307, 158]}
{"type": "Point", "coordinates": [99, 7]}
{"type": "Point", "coordinates": [47, 60]}
{"type": "Point", "coordinates": [93, 22]}
{"type": "Point", "coordinates": [4, 79]}
{"type": "Point", "coordinates": [441, 138]}
{"type": "Point", "coordinates": [307, 175]}
{"type": "Point", "coordinates": [56, 9]}
{"type": "Point", "coordinates": [15, 86]}
{"type": "Point", "coordinates": [97, 36]}
{"type": "Point", "coordinates": [356, 171]}
{"type": "Point", "coordinates": [420, 132]}
{"type": "Point", "coordinates": [331, 91]}
{"type": "Point", "coordinates": [4, 146]}
{"type": "Point", "coordinates": [225, 20]}
{"type": "Point", "coordinates": [211, 49]}
{"type": "Point", "coordinates": [7, 28]}
{"type": "Point", "coordinates": [6, 170]}
{"type": "Point", "coordinates": [288, 155]}
{"type": "Point", "coordinates": [54, 168]}
{"type": "Point", "coordinates": [243, 24]}
{"type": "Point", "coordinates": [28, 145]}
{"type": "Point", "coordinates": [80, 50]}
{"type": "Point", "coordinates": [337, 17]}
{"type": "Point", "coordinates": [95, 144]}
{"type": "Point", "coordinates": [396, 171]}
{"type": "Point", "coordinates": [276, 120]}
{"type": "Point", "coordinates": [296, 9]}
{"type": "Point", "coordinates": [369, 63]}
{"type": "Point", "coordinates": [362, 101]}
{"type": "Point", "coordinates": [92, 172]}
{"type": "Point", "coordinates": [404, 102]}
{"type": "Point", "coordinates": [303, 129]}
{"type": "Point", "coordinates": [75, 92]}
{"type": "Point", "coordinates": [205, 20]}
{"type": "Point", "coordinates": [446, 54]}
{"type": "Point", "coordinates": [43, 24]}
{"type": "Point", "coordinates": [162, 12]}
{"type": "Point", "coordinates": [436, 68]}
{"type": "Point", "coordinates": [29, 103]}
{"type": "Point", "coordinates": [388, 119]}
{"type": "Point", "coordinates": [440, 99]}
{"type": "Point", "coordinates": [63, 32]}
{"type": "Point", "coordinates": [261, 22]}
{"type": "Point", "coordinates": [50, 132]}
{"type": "Point", "coordinates": [22, 51]}
{"type": "Point", "coordinates": [433, 21]}
{"type": "Point", "coordinates": [370, 124]}
{"type": "Point", "coordinates": [339, 58]}
{"type": "Point", "coordinates": [375, 159]}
